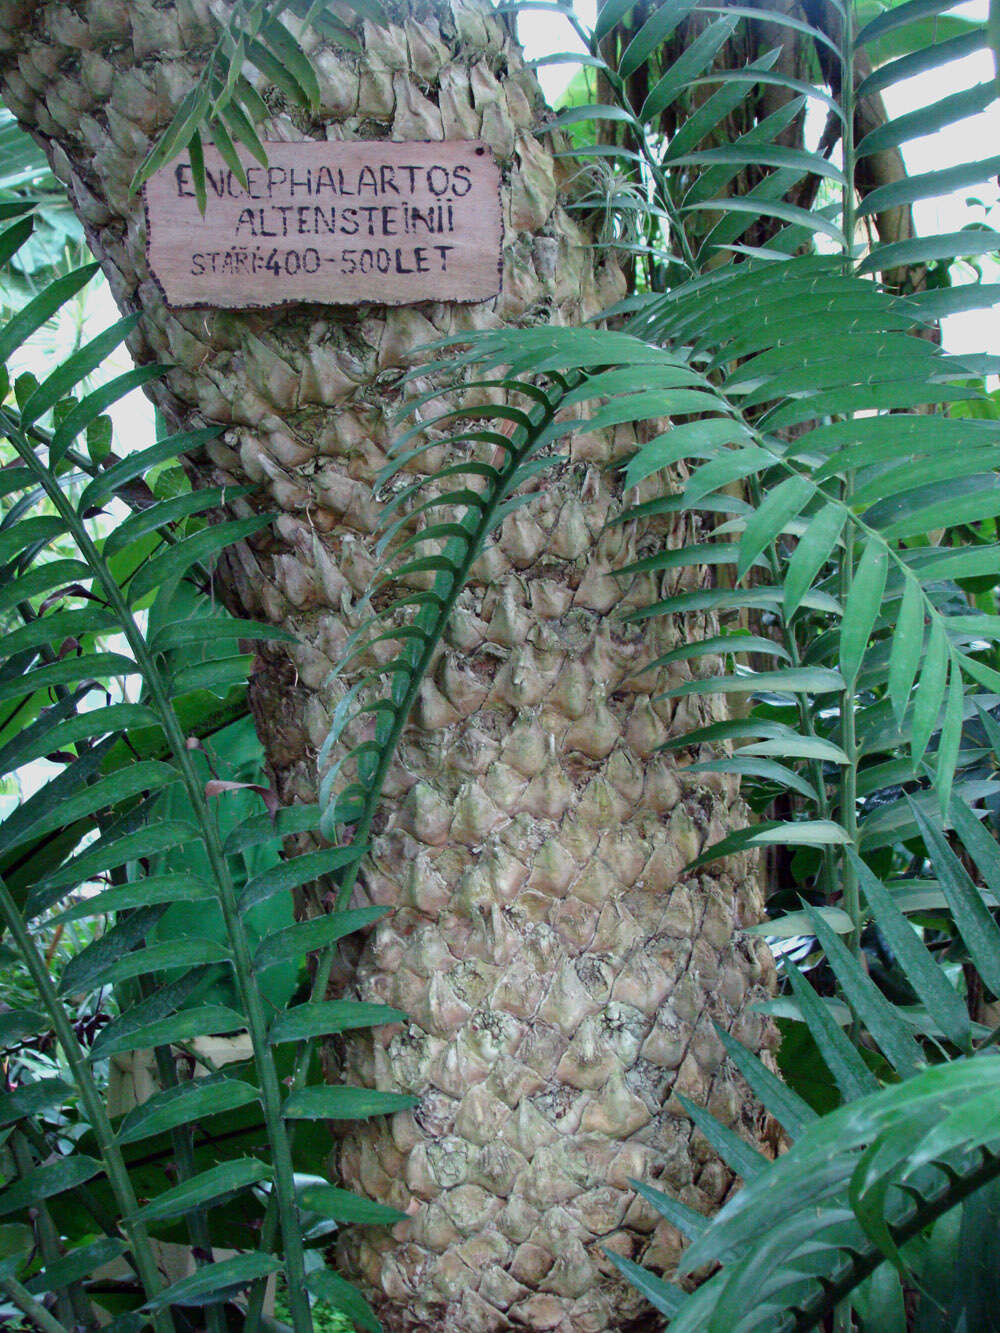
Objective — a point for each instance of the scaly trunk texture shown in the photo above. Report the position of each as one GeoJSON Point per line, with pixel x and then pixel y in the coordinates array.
{"type": "Point", "coordinates": [561, 970]}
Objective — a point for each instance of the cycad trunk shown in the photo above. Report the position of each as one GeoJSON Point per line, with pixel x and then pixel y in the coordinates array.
{"type": "Point", "coordinates": [561, 970]}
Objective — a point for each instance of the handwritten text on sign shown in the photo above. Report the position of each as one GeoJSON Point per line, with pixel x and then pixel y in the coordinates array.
{"type": "Point", "coordinates": [337, 223]}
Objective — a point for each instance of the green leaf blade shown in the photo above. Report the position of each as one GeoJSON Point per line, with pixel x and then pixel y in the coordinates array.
{"type": "Point", "coordinates": [923, 973]}
{"type": "Point", "coordinates": [864, 602]}
{"type": "Point", "coordinates": [907, 643]}
{"type": "Point", "coordinates": [185, 1104]}
{"type": "Point", "coordinates": [210, 1186]}
{"type": "Point", "coordinates": [343, 1103]}
{"type": "Point", "coordinates": [327, 1017]}
{"type": "Point", "coordinates": [294, 942]}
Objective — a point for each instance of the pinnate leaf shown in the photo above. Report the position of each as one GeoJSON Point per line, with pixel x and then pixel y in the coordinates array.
{"type": "Point", "coordinates": [208, 1186]}
{"type": "Point", "coordinates": [863, 605]}
{"type": "Point", "coordinates": [66, 1173]}
{"type": "Point", "coordinates": [907, 644]}
{"type": "Point", "coordinates": [216, 1281]}
{"type": "Point", "coordinates": [325, 1017]}
{"type": "Point", "coordinates": [342, 1103]}
{"type": "Point", "coordinates": [185, 1104]}
{"type": "Point", "coordinates": [293, 942]}
{"type": "Point", "coordinates": [343, 1206]}
{"type": "Point", "coordinates": [340, 1295]}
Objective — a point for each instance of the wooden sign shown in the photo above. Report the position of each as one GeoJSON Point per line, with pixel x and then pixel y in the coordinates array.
{"type": "Point", "coordinates": [337, 223]}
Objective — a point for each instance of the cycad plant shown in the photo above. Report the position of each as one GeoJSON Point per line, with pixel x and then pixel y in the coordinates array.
{"type": "Point", "coordinates": [774, 501]}
{"type": "Point", "coordinates": [817, 432]}
{"type": "Point", "coordinates": [115, 705]}
{"type": "Point", "coordinates": [527, 1019]}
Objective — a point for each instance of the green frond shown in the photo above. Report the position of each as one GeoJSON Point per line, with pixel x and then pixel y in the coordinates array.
{"type": "Point", "coordinates": [325, 1018]}
{"type": "Point", "coordinates": [43, 1095]}
{"type": "Point", "coordinates": [653, 33]}
{"type": "Point", "coordinates": [295, 942]}
{"type": "Point", "coordinates": [342, 1206]}
{"type": "Point", "coordinates": [292, 874]}
{"type": "Point", "coordinates": [59, 1177]}
{"type": "Point", "coordinates": [928, 119]}
{"type": "Point", "coordinates": [859, 1182]}
{"type": "Point", "coordinates": [974, 921]}
{"type": "Point", "coordinates": [115, 479]}
{"type": "Point", "coordinates": [80, 1263]}
{"type": "Point", "coordinates": [113, 764]}
{"type": "Point", "coordinates": [225, 107]}
{"type": "Point", "coordinates": [170, 888]}
{"type": "Point", "coordinates": [930, 185]}
{"type": "Point", "coordinates": [470, 517]}
{"type": "Point", "coordinates": [788, 1108]}
{"type": "Point", "coordinates": [209, 1187]}
{"type": "Point", "coordinates": [340, 1295]}
{"type": "Point", "coordinates": [767, 770]}
{"type": "Point", "coordinates": [663, 1296]}
{"type": "Point", "coordinates": [785, 680]}
{"type": "Point", "coordinates": [206, 1020]}
{"type": "Point", "coordinates": [817, 1174]}
{"type": "Point", "coordinates": [853, 1077]}
{"type": "Point", "coordinates": [734, 729]}
{"type": "Point", "coordinates": [41, 308]}
{"type": "Point", "coordinates": [923, 972]}
{"type": "Point", "coordinates": [185, 1104]}
{"type": "Point", "coordinates": [218, 1281]}
{"type": "Point", "coordinates": [344, 1103]}
{"type": "Point", "coordinates": [744, 1161]}
{"type": "Point", "coordinates": [775, 832]}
